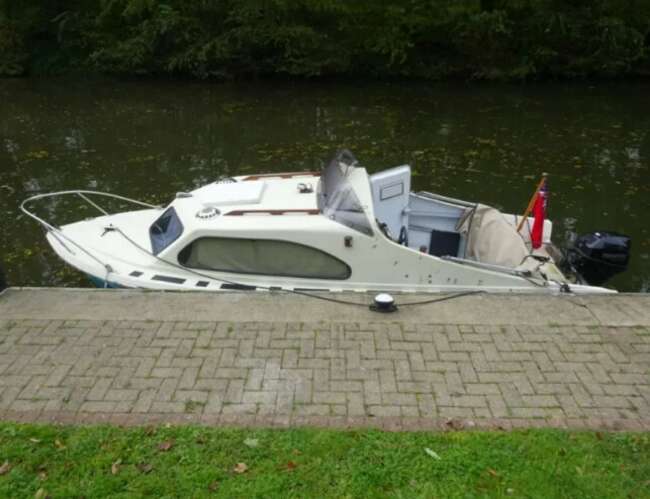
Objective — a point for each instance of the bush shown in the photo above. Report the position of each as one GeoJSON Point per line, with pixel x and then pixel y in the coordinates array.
{"type": "Point", "coordinates": [434, 39]}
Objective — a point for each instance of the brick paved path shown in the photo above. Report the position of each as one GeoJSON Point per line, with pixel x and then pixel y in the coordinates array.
{"type": "Point", "coordinates": [391, 375]}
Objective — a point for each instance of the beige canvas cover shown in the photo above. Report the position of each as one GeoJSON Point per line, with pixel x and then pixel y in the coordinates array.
{"type": "Point", "coordinates": [490, 238]}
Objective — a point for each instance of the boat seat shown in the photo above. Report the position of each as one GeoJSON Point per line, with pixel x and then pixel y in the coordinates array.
{"type": "Point", "coordinates": [390, 195]}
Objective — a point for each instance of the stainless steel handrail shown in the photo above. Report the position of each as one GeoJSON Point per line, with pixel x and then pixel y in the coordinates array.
{"type": "Point", "coordinates": [84, 195]}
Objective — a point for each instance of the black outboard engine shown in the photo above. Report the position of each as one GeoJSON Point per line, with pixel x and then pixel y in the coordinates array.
{"type": "Point", "coordinates": [598, 256]}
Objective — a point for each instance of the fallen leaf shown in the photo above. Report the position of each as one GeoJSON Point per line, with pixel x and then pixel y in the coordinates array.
{"type": "Point", "coordinates": [599, 435]}
{"type": "Point", "coordinates": [432, 453]}
{"type": "Point", "coordinates": [145, 468]}
{"type": "Point", "coordinates": [40, 494]}
{"type": "Point", "coordinates": [149, 430]}
{"type": "Point", "coordinates": [296, 452]}
{"type": "Point", "coordinates": [4, 469]}
{"type": "Point", "coordinates": [42, 475]}
{"type": "Point", "coordinates": [251, 442]}
{"type": "Point", "coordinates": [291, 466]}
{"type": "Point", "coordinates": [454, 424]}
{"type": "Point", "coordinates": [492, 472]}
{"type": "Point", "coordinates": [240, 468]}
{"type": "Point", "coordinates": [213, 486]}
{"type": "Point", "coordinates": [166, 445]}
{"type": "Point", "coordinates": [35, 440]}
{"type": "Point", "coordinates": [115, 468]}
{"type": "Point", "coordinates": [59, 444]}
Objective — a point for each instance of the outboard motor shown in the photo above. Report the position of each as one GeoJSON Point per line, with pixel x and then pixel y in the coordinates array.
{"type": "Point", "coordinates": [598, 256]}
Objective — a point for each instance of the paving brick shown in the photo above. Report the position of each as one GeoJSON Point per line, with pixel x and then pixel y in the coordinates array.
{"type": "Point", "coordinates": [144, 401]}
{"type": "Point", "coordinates": [99, 389]}
{"type": "Point", "coordinates": [398, 399]}
{"type": "Point", "coordinates": [235, 391]}
{"type": "Point", "coordinates": [121, 395]}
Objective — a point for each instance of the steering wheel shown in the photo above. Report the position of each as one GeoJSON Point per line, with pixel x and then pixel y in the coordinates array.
{"type": "Point", "coordinates": [403, 236]}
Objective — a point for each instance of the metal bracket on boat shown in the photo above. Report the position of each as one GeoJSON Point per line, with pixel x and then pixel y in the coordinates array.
{"type": "Point", "coordinates": [304, 188]}
{"type": "Point", "coordinates": [108, 229]}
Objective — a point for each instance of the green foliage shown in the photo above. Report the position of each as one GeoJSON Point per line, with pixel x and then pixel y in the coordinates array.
{"type": "Point", "coordinates": [487, 39]}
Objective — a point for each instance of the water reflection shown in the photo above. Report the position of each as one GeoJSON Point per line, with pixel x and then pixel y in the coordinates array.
{"type": "Point", "coordinates": [489, 143]}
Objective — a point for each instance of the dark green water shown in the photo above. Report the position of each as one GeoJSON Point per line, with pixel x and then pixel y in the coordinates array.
{"type": "Point", "coordinates": [490, 143]}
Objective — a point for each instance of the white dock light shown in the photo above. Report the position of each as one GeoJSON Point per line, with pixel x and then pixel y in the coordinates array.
{"type": "Point", "coordinates": [384, 303]}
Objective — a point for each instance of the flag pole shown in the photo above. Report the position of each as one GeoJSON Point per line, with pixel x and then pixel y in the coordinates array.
{"type": "Point", "coordinates": [531, 203]}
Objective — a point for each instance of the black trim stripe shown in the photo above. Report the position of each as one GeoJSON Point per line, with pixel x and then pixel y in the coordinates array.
{"type": "Point", "coordinates": [202, 284]}
{"type": "Point", "coordinates": [136, 273]}
{"type": "Point", "coordinates": [171, 280]}
{"type": "Point", "coordinates": [240, 287]}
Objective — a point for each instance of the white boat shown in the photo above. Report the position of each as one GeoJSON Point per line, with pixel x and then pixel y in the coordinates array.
{"type": "Point", "coordinates": [335, 230]}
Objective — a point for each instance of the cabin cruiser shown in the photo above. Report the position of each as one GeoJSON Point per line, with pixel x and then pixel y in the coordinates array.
{"type": "Point", "coordinates": [334, 230]}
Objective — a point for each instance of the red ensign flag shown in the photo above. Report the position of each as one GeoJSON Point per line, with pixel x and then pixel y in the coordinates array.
{"type": "Point", "coordinates": [539, 212]}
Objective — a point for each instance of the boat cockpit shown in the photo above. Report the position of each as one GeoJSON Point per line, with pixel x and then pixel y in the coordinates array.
{"type": "Point", "coordinates": [425, 222]}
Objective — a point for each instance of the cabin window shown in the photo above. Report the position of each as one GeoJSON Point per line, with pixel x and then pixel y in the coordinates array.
{"type": "Point", "coordinates": [165, 230]}
{"type": "Point", "coordinates": [262, 256]}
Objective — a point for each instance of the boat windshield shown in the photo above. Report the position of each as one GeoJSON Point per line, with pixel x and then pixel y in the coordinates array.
{"type": "Point", "coordinates": [165, 230]}
{"type": "Point", "coordinates": [337, 198]}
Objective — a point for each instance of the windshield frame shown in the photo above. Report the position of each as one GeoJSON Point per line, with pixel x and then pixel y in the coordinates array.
{"type": "Point", "coordinates": [164, 238]}
{"type": "Point", "coordinates": [337, 196]}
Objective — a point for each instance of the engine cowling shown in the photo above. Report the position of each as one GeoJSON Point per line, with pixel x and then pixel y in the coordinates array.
{"type": "Point", "coordinates": [599, 256]}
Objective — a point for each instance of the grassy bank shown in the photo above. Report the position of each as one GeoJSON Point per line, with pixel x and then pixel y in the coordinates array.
{"type": "Point", "coordinates": [430, 39]}
{"type": "Point", "coordinates": [196, 462]}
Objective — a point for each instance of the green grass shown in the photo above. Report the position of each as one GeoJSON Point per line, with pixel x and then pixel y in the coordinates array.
{"type": "Point", "coordinates": [77, 462]}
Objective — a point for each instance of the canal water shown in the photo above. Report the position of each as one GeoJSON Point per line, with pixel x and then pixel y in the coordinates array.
{"type": "Point", "coordinates": [488, 143]}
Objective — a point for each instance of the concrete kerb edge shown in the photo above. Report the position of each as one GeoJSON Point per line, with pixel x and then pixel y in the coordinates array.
{"type": "Point", "coordinates": [391, 424]}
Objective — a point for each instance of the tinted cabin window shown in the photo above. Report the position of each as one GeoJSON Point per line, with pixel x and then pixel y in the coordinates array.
{"type": "Point", "coordinates": [262, 256]}
{"type": "Point", "coordinates": [165, 230]}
